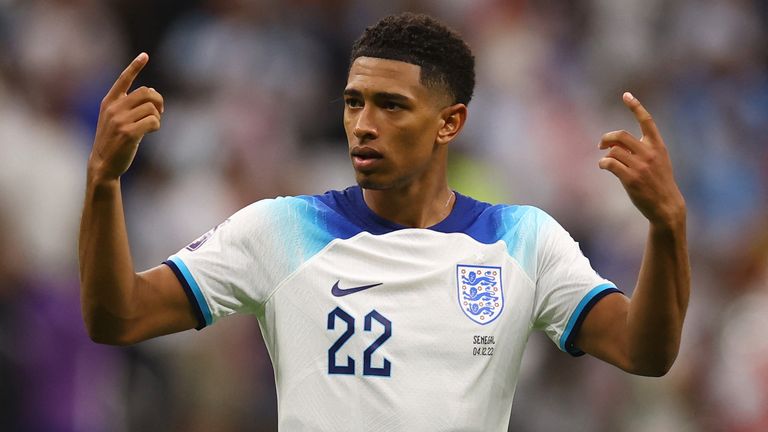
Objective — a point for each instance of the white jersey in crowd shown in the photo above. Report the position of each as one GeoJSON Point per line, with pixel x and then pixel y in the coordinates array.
{"type": "Point", "coordinates": [372, 326]}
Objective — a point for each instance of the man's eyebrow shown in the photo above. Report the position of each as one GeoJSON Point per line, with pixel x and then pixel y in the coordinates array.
{"type": "Point", "coordinates": [397, 97]}
{"type": "Point", "coordinates": [351, 92]}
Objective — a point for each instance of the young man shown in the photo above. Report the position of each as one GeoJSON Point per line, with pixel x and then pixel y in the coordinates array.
{"type": "Point", "coordinates": [397, 304]}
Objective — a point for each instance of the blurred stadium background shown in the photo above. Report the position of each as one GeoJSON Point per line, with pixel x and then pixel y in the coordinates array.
{"type": "Point", "coordinates": [253, 110]}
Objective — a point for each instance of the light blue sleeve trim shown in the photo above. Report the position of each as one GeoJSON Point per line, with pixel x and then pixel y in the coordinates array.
{"type": "Point", "coordinates": [195, 288]}
{"type": "Point", "coordinates": [586, 300]}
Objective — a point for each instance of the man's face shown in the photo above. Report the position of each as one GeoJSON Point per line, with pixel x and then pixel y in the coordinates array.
{"type": "Point", "coordinates": [391, 121]}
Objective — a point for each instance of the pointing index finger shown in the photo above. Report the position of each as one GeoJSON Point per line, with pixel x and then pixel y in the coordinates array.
{"type": "Point", "coordinates": [647, 125]}
{"type": "Point", "coordinates": [124, 81]}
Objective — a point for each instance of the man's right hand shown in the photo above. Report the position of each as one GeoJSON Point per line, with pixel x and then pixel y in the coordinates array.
{"type": "Point", "coordinates": [124, 119]}
{"type": "Point", "coordinates": [120, 306]}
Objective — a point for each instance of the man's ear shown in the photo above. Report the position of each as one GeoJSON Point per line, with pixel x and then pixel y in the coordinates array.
{"type": "Point", "coordinates": [452, 121]}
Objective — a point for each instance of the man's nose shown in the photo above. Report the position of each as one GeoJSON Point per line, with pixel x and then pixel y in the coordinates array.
{"type": "Point", "coordinates": [365, 128]}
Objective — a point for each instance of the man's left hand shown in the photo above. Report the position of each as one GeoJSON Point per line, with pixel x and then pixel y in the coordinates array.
{"type": "Point", "coordinates": [644, 168]}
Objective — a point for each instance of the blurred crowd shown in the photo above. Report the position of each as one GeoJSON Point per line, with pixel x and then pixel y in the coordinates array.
{"type": "Point", "coordinates": [253, 110]}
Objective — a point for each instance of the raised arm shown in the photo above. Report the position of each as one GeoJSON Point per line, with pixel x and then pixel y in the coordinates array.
{"type": "Point", "coordinates": [120, 306]}
{"type": "Point", "coordinates": [642, 335]}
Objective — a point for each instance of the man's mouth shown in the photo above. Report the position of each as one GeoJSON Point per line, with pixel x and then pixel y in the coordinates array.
{"type": "Point", "coordinates": [364, 157]}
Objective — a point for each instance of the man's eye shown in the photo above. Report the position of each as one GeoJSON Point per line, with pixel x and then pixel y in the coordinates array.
{"type": "Point", "coordinates": [391, 106]}
{"type": "Point", "coordinates": [353, 103]}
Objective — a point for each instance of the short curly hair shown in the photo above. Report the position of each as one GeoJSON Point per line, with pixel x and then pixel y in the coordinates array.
{"type": "Point", "coordinates": [446, 61]}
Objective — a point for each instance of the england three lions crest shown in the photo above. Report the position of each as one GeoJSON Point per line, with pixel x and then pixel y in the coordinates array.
{"type": "Point", "coordinates": [480, 294]}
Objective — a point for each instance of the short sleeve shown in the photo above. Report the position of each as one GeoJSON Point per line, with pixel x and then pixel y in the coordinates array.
{"type": "Point", "coordinates": [223, 271]}
{"type": "Point", "coordinates": [567, 286]}
{"type": "Point", "coordinates": [238, 265]}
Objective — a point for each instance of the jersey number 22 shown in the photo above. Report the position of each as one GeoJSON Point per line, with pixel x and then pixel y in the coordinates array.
{"type": "Point", "coordinates": [349, 368]}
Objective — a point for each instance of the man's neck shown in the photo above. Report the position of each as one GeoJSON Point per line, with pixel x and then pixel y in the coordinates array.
{"type": "Point", "coordinates": [412, 207]}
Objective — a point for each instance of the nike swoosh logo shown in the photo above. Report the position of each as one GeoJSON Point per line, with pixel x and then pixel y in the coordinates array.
{"type": "Point", "coordinates": [338, 292]}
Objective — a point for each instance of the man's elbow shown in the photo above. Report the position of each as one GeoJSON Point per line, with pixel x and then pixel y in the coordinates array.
{"type": "Point", "coordinates": [656, 366]}
{"type": "Point", "coordinates": [108, 331]}
{"type": "Point", "coordinates": [653, 371]}
{"type": "Point", "coordinates": [109, 339]}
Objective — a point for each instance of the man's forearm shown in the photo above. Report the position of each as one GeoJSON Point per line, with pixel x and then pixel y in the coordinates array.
{"type": "Point", "coordinates": [106, 269]}
{"type": "Point", "coordinates": [660, 300]}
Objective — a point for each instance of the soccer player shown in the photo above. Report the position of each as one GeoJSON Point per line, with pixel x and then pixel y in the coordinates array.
{"type": "Point", "coordinates": [396, 304]}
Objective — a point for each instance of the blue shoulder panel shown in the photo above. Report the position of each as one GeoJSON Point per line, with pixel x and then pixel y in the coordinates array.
{"type": "Point", "coordinates": [316, 222]}
{"type": "Point", "coordinates": [517, 226]}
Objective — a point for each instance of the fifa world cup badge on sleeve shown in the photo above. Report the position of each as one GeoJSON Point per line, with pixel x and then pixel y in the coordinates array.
{"type": "Point", "coordinates": [195, 245]}
{"type": "Point", "coordinates": [480, 293]}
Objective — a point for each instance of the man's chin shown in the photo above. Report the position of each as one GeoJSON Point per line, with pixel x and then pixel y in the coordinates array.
{"type": "Point", "coordinates": [368, 183]}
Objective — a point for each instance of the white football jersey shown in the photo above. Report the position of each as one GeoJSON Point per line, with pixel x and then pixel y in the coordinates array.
{"type": "Point", "coordinates": [372, 326]}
